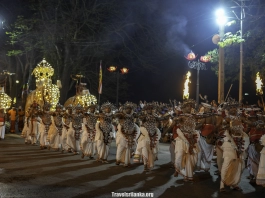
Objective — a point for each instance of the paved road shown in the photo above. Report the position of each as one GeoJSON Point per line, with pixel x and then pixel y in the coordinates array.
{"type": "Point", "coordinates": [27, 171]}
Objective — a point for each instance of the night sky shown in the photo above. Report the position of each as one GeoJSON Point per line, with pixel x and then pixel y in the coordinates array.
{"type": "Point", "coordinates": [193, 25]}
{"type": "Point", "coordinates": [190, 27]}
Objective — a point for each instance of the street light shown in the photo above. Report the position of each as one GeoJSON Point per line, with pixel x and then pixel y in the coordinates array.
{"type": "Point", "coordinates": [221, 21]}
{"type": "Point", "coordinates": [198, 65]}
{"type": "Point", "coordinates": [123, 70]}
{"type": "Point", "coordinates": [15, 99]}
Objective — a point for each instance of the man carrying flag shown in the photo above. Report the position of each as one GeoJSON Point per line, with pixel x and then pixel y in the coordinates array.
{"type": "Point", "coordinates": [100, 83]}
{"type": "Point", "coordinates": [100, 79]}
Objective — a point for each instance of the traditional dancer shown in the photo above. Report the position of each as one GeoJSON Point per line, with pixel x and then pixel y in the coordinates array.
{"type": "Point", "coordinates": [256, 131]}
{"type": "Point", "coordinates": [147, 147]}
{"type": "Point", "coordinates": [33, 120]}
{"type": "Point", "coordinates": [186, 149]}
{"type": "Point", "coordinates": [104, 131]}
{"type": "Point", "coordinates": [25, 130]}
{"type": "Point", "coordinates": [172, 132]}
{"type": "Point", "coordinates": [44, 126]}
{"type": "Point", "coordinates": [234, 145]}
{"type": "Point", "coordinates": [73, 136]}
{"type": "Point", "coordinates": [207, 138]}
{"type": "Point", "coordinates": [127, 134]}
{"type": "Point", "coordinates": [261, 171]}
{"type": "Point", "coordinates": [87, 145]}
{"type": "Point", "coordinates": [229, 112]}
{"type": "Point", "coordinates": [56, 138]}
{"type": "Point", "coordinates": [67, 126]}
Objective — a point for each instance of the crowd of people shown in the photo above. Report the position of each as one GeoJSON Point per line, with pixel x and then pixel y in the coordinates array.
{"type": "Point", "coordinates": [231, 131]}
{"type": "Point", "coordinates": [12, 119]}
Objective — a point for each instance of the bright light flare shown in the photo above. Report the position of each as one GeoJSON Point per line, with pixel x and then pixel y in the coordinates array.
{"type": "Point", "coordinates": [186, 94]}
{"type": "Point", "coordinates": [259, 84]}
{"type": "Point", "coordinates": [221, 18]}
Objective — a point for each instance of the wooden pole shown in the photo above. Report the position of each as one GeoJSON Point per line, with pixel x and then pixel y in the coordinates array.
{"type": "Point", "coordinates": [228, 91]}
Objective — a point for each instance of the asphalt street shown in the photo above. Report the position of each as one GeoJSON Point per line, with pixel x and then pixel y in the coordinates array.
{"type": "Point", "coordinates": [27, 171]}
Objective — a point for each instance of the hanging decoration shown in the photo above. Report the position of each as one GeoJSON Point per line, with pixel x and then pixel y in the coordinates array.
{"type": "Point", "coordinates": [124, 70]}
{"type": "Point", "coordinates": [205, 59]}
{"type": "Point", "coordinates": [191, 56]}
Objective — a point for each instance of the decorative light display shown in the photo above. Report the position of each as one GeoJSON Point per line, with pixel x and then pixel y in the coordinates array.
{"type": "Point", "coordinates": [83, 100]}
{"type": "Point", "coordinates": [112, 68]}
{"type": "Point", "coordinates": [5, 101]}
{"type": "Point", "coordinates": [259, 84]}
{"type": "Point", "coordinates": [191, 56]}
{"type": "Point", "coordinates": [186, 86]}
{"type": "Point", "coordinates": [45, 92]}
{"type": "Point", "coordinates": [43, 72]}
{"type": "Point", "coordinates": [205, 59]}
{"type": "Point", "coordinates": [124, 70]}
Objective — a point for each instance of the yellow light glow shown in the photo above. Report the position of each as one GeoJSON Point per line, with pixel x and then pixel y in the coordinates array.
{"type": "Point", "coordinates": [83, 100]}
{"type": "Point", "coordinates": [259, 84]}
{"type": "Point", "coordinates": [112, 68]}
{"type": "Point", "coordinates": [45, 92]}
{"type": "Point", "coordinates": [186, 94]}
{"type": "Point", "coordinates": [124, 70]}
{"type": "Point", "coordinates": [5, 101]}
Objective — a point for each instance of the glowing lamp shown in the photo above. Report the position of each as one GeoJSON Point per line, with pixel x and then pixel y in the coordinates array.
{"type": "Point", "coordinates": [191, 56]}
{"type": "Point", "coordinates": [112, 68]}
{"type": "Point", "coordinates": [205, 59]}
{"type": "Point", "coordinates": [124, 70]}
{"type": "Point", "coordinates": [221, 18]}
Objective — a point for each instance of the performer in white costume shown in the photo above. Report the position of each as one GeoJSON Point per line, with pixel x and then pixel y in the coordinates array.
{"type": "Point", "coordinates": [33, 132]}
{"type": "Point", "coordinates": [56, 137]}
{"type": "Point", "coordinates": [207, 138]}
{"type": "Point", "coordinates": [127, 134]}
{"type": "Point", "coordinates": [186, 149]}
{"type": "Point", "coordinates": [256, 131]}
{"type": "Point", "coordinates": [234, 147]}
{"type": "Point", "coordinates": [73, 135]}
{"type": "Point", "coordinates": [44, 125]}
{"type": "Point", "coordinates": [148, 142]}
{"type": "Point", "coordinates": [172, 131]}
{"type": "Point", "coordinates": [261, 171]}
{"type": "Point", "coordinates": [89, 132]}
{"type": "Point", "coordinates": [25, 130]}
{"type": "Point", "coordinates": [104, 131]}
{"type": "Point", "coordinates": [67, 126]}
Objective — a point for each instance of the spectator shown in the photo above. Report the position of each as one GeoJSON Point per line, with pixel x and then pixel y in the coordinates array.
{"type": "Point", "coordinates": [21, 115]}
{"type": "Point", "coordinates": [12, 113]}
{"type": "Point", "coordinates": [2, 124]}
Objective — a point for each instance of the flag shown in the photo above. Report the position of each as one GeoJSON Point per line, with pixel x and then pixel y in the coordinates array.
{"type": "Point", "coordinates": [100, 79]}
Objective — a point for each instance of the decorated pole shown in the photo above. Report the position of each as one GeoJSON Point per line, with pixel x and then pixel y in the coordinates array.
{"type": "Point", "coordinates": [198, 65]}
{"type": "Point", "coordinates": [100, 83]}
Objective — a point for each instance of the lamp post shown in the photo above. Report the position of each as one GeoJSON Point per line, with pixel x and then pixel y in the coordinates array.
{"type": "Point", "coordinates": [241, 58]}
{"type": "Point", "coordinates": [15, 99]}
{"type": "Point", "coordinates": [221, 20]}
{"type": "Point", "coordinates": [122, 71]}
{"type": "Point", "coordinates": [198, 65]}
